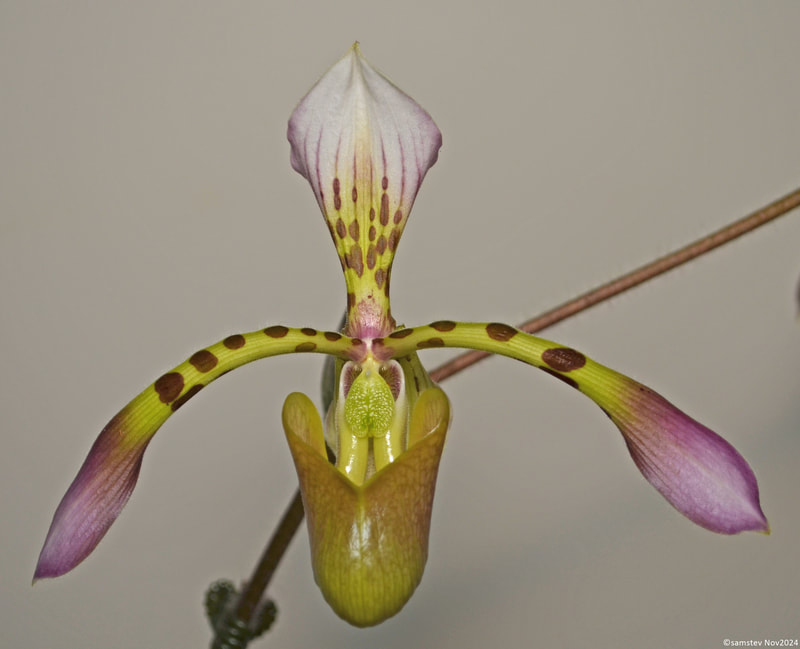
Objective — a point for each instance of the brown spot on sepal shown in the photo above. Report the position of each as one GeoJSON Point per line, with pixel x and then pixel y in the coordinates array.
{"type": "Point", "coordinates": [564, 359]}
{"type": "Point", "coordinates": [332, 336]}
{"type": "Point", "coordinates": [203, 361]}
{"type": "Point", "coordinates": [354, 231]}
{"type": "Point", "coordinates": [398, 216]}
{"type": "Point", "coordinates": [384, 215]}
{"type": "Point", "coordinates": [236, 341]}
{"type": "Point", "coordinates": [337, 199]}
{"type": "Point", "coordinates": [341, 230]}
{"type": "Point", "coordinates": [355, 260]}
{"type": "Point", "coordinates": [169, 386]}
{"type": "Point", "coordinates": [308, 331]}
{"type": "Point", "coordinates": [381, 245]}
{"type": "Point", "coordinates": [189, 394]}
{"type": "Point", "coordinates": [372, 256]}
{"type": "Point", "coordinates": [380, 277]}
{"type": "Point", "coordinates": [306, 347]}
{"type": "Point", "coordinates": [394, 237]}
{"type": "Point", "coordinates": [501, 332]}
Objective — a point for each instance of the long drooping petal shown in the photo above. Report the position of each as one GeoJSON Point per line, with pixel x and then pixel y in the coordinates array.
{"type": "Point", "coordinates": [108, 475]}
{"type": "Point", "coordinates": [695, 469]}
{"type": "Point", "coordinates": [364, 146]}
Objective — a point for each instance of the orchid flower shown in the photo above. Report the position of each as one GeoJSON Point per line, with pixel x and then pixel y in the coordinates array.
{"type": "Point", "coordinates": [364, 146]}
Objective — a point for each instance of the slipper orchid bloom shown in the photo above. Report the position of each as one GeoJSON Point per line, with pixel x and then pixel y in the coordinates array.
{"type": "Point", "coordinates": [364, 146]}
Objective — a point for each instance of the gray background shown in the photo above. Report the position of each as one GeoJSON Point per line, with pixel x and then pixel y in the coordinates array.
{"type": "Point", "coordinates": [147, 208]}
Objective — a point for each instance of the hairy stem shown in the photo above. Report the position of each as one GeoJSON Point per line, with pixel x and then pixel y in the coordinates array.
{"type": "Point", "coordinates": [253, 591]}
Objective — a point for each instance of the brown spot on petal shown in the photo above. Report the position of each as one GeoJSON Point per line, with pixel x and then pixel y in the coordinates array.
{"type": "Point", "coordinates": [380, 277]}
{"type": "Point", "coordinates": [203, 361]}
{"type": "Point", "coordinates": [354, 230]}
{"type": "Point", "coordinates": [276, 331]}
{"type": "Point", "coordinates": [169, 386]}
{"type": "Point", "coordinates": [564, 359]}
{"type": "Point", "coordinates": [384, 209]}
{"type": "Point", "coordinates": [355, 194]}
{"type": "Point", "coordinates": [336, 186]}
{"type": "Point", "coordinates": [308, 331]}
{"type": "Point", "coordinates": [381, 245]}
{"type": "Point", "coordinates": [332, 336]}
{"type": "Point", "coordinates": [372, 256]}
{"type": "Point", "coordinates": [401, 333]}
{"type": "Point", "coordinates": [444, 325]}
{"type": "Point", "coordinates": [235, 341]}
{"type": "Point", "coordinates": [372, 231]}
{"type": "Point", "coordinates": [305, 347]}
{"type": "Point", "coordinates": [431, 342]}
{"type": "Point", "coordinates": [189, 394]}
{"type": "Point", "coordinates": [501, 332]}
{"type": "Point", "coordinates": [341, 230]}
{"type": "Point", "coordinates": [570, 382]}
{"type": "Point", "coordinates": [351, 300]}
{"type": "Point", "coordinates": [371, 213]}
{"type": "Point", "coordinates": [384, 183]}
{"type": "Point", "coordinates": [398, 216]}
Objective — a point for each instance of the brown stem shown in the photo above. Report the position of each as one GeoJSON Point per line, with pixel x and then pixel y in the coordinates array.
{"type": "Point", "coordinates": [635, 277]}
{"type": "Point", "coordinates": [254, 590]}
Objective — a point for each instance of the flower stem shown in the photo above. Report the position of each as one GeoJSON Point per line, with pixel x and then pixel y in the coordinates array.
{"type": "Point", "coordinates": [253, 591]}
{"type": "Point", "coordinates": [635, 277]}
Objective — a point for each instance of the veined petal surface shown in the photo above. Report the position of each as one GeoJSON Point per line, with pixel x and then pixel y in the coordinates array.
{"type": "Point", "coordinates": [94, 499]}
{"type": "Point", "coordinates": [364, 146]}
{"type": "Point", "coordinates": [696, 470]}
